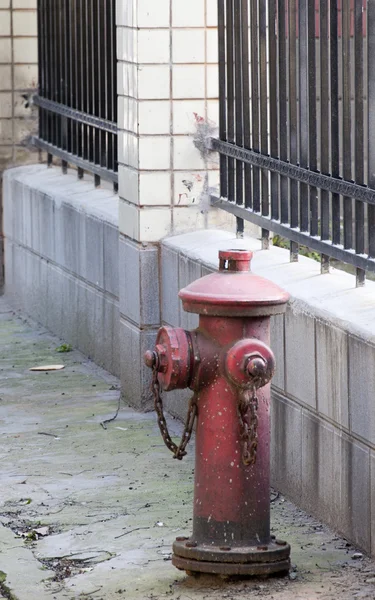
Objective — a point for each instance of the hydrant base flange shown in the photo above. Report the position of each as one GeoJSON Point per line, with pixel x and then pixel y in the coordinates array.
{"type": "Point", "coordinates": [257, 560]}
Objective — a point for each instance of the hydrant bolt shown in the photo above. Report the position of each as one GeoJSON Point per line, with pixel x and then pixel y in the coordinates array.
{"type": "Point", "coordinates": [150, 358]}
{"type": "Point", "coordinates": [257, 367]}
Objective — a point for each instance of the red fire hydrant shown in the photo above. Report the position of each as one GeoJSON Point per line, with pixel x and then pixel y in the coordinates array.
{"type": "Point", "coordinates": [228, 364]}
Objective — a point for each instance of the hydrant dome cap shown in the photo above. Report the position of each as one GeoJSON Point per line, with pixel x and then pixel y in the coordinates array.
{"type": "Point", "coordinates": [234, 290]}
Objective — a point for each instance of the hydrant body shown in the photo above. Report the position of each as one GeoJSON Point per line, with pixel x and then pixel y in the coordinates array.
{"type": "Point", "coordinates": [228, 364]}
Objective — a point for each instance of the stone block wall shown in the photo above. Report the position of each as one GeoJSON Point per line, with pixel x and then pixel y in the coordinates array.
{"type": "Point", "coordinates": [323, 409]}
{"type": "Point", "coordinates": [61, 257]}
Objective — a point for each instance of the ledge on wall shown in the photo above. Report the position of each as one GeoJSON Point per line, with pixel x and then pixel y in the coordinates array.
{"type": "Point", "coordinates": [332, 295]}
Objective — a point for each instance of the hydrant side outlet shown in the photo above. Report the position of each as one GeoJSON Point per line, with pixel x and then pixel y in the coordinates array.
{"type": "Point", "coordinates": [228, 363]}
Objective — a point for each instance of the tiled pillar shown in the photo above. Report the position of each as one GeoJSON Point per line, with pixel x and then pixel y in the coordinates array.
{"type": "Point", "coordinates": [18, 80]}
{"type": "Point", "coordinates": [167, 84]}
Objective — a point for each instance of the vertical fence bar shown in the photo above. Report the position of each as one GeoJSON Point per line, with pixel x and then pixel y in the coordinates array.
{"type": "Point", "coordinates": [346, 117]}
{"type": "Point", "coordinates": [105, 134]}
{"type": "Point", "coordinates": [282, 109]}
{"type": "Point", "coordinates": [222, 97]}
{"type": "Point", "coordinates": [60, 68]}
{"type": "Point", "coordinates": [255, 100]}
{"type": "Point", "coordinates": [41, 71]}
{"type": "Point", "coordinates": [359, 136]}
{"type": "Point", "coordinates": [303, 37]}
{"type": "Point", "coordinates": [371, 120]}
{"type": "Point", "coordinates": [335, 158]}
{"type": "Point", "coordinates": [55, 69]}
{"type": "Point", "coordinates": [78, 78]}
{"type": "Point", "coordinates": [264, 113]}
{"type": "Point", "coordinates": [65, 78]}
{"type": "Point", "coordinates": [112, 91]}
{"type": "Point", "coordinates": [311, 15]}
{"type": "Point", "coordinates": [114, 86]}
{"type": "Point", "coordinates": [272, 86]}
{"type": "Point", "coordinates": [246, 97]}
{"type": "Point", "coordinates": [230, 96]}
{"type": "Point", "coordinates": [293, 124]}
{"type": "Point", "coordinates": [324, 130]}
{"type": "Point", "coordinates": [238, 107]}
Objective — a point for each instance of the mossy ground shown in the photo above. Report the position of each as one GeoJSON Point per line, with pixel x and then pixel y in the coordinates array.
{"type": "Point", "coordinates": [114, 499]}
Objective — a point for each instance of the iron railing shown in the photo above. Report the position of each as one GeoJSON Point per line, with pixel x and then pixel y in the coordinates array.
{"type": "Point", "coordinates": [297, 123]}
{"type": "Point", "coordinates": [77, 85]}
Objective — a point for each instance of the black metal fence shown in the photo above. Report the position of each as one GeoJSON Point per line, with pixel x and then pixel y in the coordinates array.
{"type": "Point", "coordinates": [77, 84]}
{"type": "Point", "coordinates": [297, 123]}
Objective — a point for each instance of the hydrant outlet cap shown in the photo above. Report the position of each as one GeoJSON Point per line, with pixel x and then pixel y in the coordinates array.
{"type": "Point", "coordinates": [234, 291]}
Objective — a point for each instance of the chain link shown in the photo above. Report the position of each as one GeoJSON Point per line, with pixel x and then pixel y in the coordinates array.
{"type": "Point", "coordinates": [178, 451]}
{"type": "Point", "coordinates": [248, 407]}
{"type": "Point", "coordinates": [247, 412]}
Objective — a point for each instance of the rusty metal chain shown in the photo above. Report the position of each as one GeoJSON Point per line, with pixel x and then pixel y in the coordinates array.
{"type": "Point", "coordinates": [248, 407]}
{"type": "Point", "coordinates": [178, 451]}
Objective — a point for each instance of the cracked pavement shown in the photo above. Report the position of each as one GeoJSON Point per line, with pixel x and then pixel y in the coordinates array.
{"type": "Point", "coordinates": [88, 512]}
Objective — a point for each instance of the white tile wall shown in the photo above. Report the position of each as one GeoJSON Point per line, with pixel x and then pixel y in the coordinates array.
{"type": "Point", "coordinates": [154, 116]}
{"type": "Point", "coordinates": [211, 13]}
{"type": "Point", "coordinates": [127, 81]}
{"type": "Point", "coordinates": [154, 153]}
{"type": "Point", "coordinates": [173, 79]}
{"type": "Point", "coordinates": [129, 183]}
{"type": "Point", "coordinates": [188, 46]}
{"type": "Point", "coordinates": [127, 44]}
{"type": "Point", "coordinates": [129, 219]}
{"type": "Point", "coordinates": [155, 224]}
{"type": "Point", "coordinates": [188, 14]}
{"type": "Point", "coordinates": [153, 82]}
{"type": "Point", "coordinates": [188, 81]}
{"type": "Point", "coordinates": [185, 154]}
{"type": "Point", "coordinates": [5, 105]}
{"type": "Point", "coordinates": [24, 21]}
{"type": "Point", "coordinates": [18, 73]}
{"type": "Point", "coordinates": [24, 4]}
{"type": "Point", "coordinates": [126, 12]}
{"type": "Point", "coordinates": [188, 186]}
{"type": "Point", "coordinates": [212, 46]}
{"type": "Point", "coordinates": [212, 81]}
{"type": "Point", "coordinates": [5, 28]}
{"type": "Point", "coordinates": [5, 49]}
{"type": "Point", "coordinates": [154, 46]}
{"type": "Point", "coordinates": [6, 77]}
{"type": "Point", "coordinates": [155, 189]}
{"type": "Point", "coordinates": [188, 218]}
{"type": "Point", "coordinates": [128, 114]}
{"type": "Point", "coordinates": [128, 149]}
{"type": "Point", "coordinates": [25, 77]}
{"type": "Point", "coordinates": [184, 115]}
{"type": "Point", "coordinates": [154, 14]}
{"type": "Point", "coordinates": [25, 50]}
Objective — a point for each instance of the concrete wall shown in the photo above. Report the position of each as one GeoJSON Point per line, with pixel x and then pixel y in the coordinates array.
{"type": "Point", "coordinates": [61, 257]}
{"type": "Point", "coordinates": [323, 417]}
